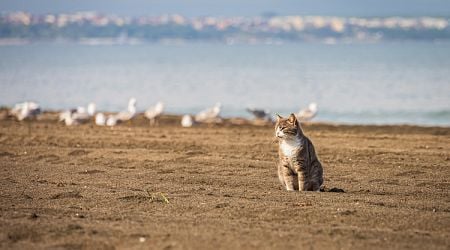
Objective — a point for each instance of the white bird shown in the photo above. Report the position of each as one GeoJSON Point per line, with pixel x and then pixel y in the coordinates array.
{"type": "Point", "coordinates": [129, 113]}
{"type": "Point", "coordinates": [154, 112]}
{"type": "Point", "coordinates": [26, 110]}
{"type": "Point", "coordinates": [91, 108]}
{"type": "Point", "coordinates": [187, 121]}
{"type": "Point", "coordinates": [81, 110]}
{"type": "Point", "coordinates": [209, 114]}
{"type": "Point", "coordinates": [308, 113]}
{"type": "Point", "coordinates": [111, 121]}
{"type": "Point", "coordinates": [100, 119]}
{"type": "Point", "coordinates": [260, 114]}
{"type": "Point", "coordinates": [74, 116]}
{"type": "Point", "coordinates": [78, 116]}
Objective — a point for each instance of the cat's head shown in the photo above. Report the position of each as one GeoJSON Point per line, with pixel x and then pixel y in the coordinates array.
{"type": "Point", "coordinates": [286, 128]}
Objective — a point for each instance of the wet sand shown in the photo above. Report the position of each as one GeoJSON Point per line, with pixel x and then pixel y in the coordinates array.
{"type": "Point", "coordinates": [215, 187]}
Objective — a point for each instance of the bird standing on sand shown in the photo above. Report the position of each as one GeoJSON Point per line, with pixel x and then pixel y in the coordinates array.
{"type": "Point", "coordinates": [111, 121]}
{"type": "Point", "coordinates": [91, 108]}
{"type": "Point", "coordinates": [26, 110]}
{"type": "Point", "coordinates": [209, 114]}
{"type": "Point", "coordinates": [129, 113]}
{"type": "Point", "coordinates": [154, 112]}
{"type": "Point", "coordinates": [187, 121]}
{"type": "Point", "coordinates": [260, 114]}
{"type": "Point", "coordinates": [74, 117]}
{"type": "Point", "coordinates": [77, 116]}
{"type": "Point", "coordinates": [100, 119]}
{"type": "Point", "coordinates": [309, 113]}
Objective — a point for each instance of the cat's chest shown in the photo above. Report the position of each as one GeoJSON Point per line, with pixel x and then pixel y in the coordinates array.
{"type": "Point", "coordinates": [290, 148]}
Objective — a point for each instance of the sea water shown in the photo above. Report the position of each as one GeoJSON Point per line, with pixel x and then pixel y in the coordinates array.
{"type": "Point", "coordinates": [380, 83]}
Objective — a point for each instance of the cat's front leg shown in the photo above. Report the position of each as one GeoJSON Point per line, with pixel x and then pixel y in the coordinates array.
{"type": "Point", "coordinates": [288, 177]}
{"type": "Point", "coordinates": [301, 178]}
{"type": "Point", "coordinates": [281, 175]}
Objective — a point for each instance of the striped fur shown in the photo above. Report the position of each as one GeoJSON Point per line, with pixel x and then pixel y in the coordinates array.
{"type": "Point", "coordinates": [298, 167]}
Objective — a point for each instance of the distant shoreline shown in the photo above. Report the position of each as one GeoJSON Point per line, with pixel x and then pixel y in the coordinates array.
{"type": "Point", "coordinates": [92, 27]}
{"type": "Point", "coordinates": [174, 119]}
{"type": "Point", "coordinates": [174, 42]}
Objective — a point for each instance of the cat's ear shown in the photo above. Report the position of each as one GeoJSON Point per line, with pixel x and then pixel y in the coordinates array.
{"type": "Point", "coordinates": [293, 119]}
{"type": "Point", "coordinates": [279, 117]}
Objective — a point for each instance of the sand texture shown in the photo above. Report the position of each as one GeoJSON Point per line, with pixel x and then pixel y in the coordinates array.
{"type": "Point", "coordinates": [215, 187]}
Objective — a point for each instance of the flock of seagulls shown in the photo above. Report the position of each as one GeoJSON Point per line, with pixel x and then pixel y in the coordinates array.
{"type": "Point", "coordinates": [26, 110]}
{"type": "Point", "coordinates": [81, 115]}
{"type": "Point", "coordinates": [78, 116]}
{"type": "Point", "coordinates": [306, 114]}
{"type": "Point", "coordinates": [113, 119]}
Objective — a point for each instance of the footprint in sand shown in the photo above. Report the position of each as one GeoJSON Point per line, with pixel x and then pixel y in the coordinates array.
{"type": "Point", "coordinates": [410, 173]}
{"type": "Point", "coordinates": [63, 195]}
{"type": "Point", "coordinates": [6, 154]}
{"type": "Point", "coordinates": [78, 152]}
{"type": "Point", "coordinates": [49, 158]}
{"type": "Point", "coordinates": [94, 171]}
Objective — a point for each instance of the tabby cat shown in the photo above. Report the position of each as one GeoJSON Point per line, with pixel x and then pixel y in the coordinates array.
{"type": "Point", "coordinates": [299, 168]}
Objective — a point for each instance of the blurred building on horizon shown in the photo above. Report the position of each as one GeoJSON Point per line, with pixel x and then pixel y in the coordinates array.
{"type": "Point", "coordinates": [79, 26]}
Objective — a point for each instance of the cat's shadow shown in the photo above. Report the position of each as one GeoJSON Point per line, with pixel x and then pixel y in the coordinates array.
{"type": "Point", "coordinates": [332, 190]}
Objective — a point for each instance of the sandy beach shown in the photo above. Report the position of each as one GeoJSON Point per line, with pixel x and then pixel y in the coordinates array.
{"type": "Point", "coordinates": [215, 187]}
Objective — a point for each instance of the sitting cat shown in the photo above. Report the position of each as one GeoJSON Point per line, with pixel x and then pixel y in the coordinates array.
{"type": "Point", "coordinates": [299, 168]}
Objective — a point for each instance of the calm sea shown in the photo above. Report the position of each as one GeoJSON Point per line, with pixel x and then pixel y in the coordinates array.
{"type": "Point", "coordinates": [383, 83]}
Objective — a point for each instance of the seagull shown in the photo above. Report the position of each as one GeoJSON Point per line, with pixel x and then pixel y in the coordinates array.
{"type": "Point", "coordinates": [78, 116]}
{"type": "Point", "coordinates": [154, 112]}
{"type": "Point", "coordinates": [100, 119]}
{"type": "Point", "coordinates": [26, 110]}
{"type": "Point", "coordinates": [129, 113]}
{"type": "Point", "coordinates": [74, 116]}
{"type": "Point", "coordinates": [187, 121]}
{"type": "Point", "coordinates": [208, 114]}
{"type": "Point", "coordinates": [308, 113]}
{"type": "Point", "coordinates": [260, 114]}
{"type": "Point", "coordinates": [111, 121]}
{"type": "Point", "coordinates": [91, 108]}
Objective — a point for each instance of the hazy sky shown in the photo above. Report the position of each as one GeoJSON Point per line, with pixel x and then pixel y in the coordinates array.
{"type": "Point", "coordinates": [236, 7]}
